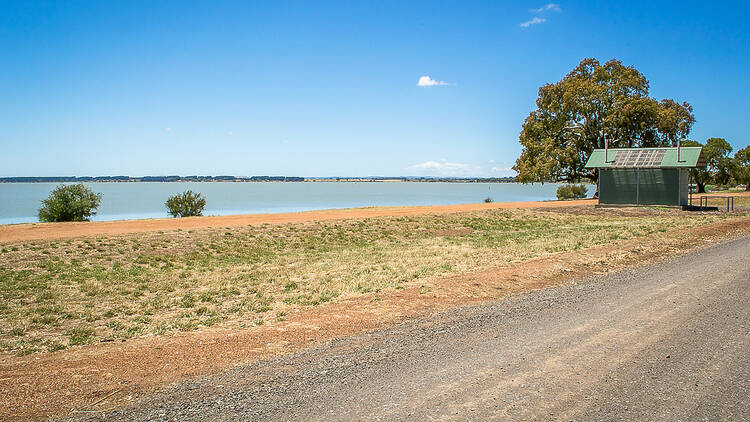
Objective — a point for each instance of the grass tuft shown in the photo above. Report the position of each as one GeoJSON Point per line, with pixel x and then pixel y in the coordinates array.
{"type": "Point", "coordinates": [80, 335]}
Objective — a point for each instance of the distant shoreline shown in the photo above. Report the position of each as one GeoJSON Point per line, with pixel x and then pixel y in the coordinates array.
{"type": "Point", "coordinates": [251, 179]}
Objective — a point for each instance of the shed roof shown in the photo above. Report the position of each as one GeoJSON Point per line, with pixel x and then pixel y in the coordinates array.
{"type": "Point", "coordinates": [647, 158]}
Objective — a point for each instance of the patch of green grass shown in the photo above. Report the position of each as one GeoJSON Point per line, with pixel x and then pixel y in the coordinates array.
{"type": "Point", "coordinates": [17, 332]}
{"type": "Point", "coordinates": [55, 346]}
{"type": "Point", "coordinates": [188, 301]}
{"type": "Point", "coordinates": [80, 335]}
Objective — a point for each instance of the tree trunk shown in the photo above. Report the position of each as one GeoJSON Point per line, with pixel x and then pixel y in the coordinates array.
{"type": "Point", "coordinates": [701, 187]}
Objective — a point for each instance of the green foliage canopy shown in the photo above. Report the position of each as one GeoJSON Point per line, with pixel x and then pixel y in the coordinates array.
{"type": "Point", "coordinates": [718, 161]}
{"type": "Point", "coordinates": [741, 169]}
{"type": "Point", "coordinates": [701, 176]}
{"type": "Point", "coordinates": [595, 101]}
{"type": "Point", "coordinates": [70, 203]}
{"type": "Point", "coordinates": [186, 204]}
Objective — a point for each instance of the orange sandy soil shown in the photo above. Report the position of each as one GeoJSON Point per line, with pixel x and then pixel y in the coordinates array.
{"type": "Point", "coordinates": [51, 231]}
{"type": "Point", "coordinates": [99, 377]}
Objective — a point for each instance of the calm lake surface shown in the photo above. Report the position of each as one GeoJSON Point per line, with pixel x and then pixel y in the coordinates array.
{"type": "Point", "coordinates": [19, 202]}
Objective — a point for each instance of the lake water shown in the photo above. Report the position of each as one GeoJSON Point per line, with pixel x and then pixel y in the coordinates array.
{"type": "Point", "coordinates": [19, 202]}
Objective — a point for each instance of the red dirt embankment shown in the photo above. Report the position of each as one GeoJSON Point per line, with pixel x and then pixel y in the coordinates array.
{"type": "Point", "coordinates": [51, 231]}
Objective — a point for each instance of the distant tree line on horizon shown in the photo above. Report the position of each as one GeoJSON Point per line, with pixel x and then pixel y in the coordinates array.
{"type": "Point", "coordinates": [84, 179]}
{"type": "Point", "coordinates": [81, 179]}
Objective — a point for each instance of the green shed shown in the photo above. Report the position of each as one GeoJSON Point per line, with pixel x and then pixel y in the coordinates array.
{"type": "Point", "coordinates": [645, 176]}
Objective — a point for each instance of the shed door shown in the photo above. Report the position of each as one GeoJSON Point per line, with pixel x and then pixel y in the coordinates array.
{"type": "Point", "coordinates": [617, 186]}
{"type": "Point", "coordinates": [659, 187]}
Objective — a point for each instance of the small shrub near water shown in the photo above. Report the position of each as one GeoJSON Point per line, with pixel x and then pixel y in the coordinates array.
{"type": "Point", "coordinates": [186, 204]}
{"type": "Point", "coordinates": [572, 192]}
{"type": "Point", "coordinates": [70, 203]}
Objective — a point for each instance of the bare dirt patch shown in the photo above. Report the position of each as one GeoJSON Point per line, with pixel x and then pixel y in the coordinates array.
{"type": "Point", "coordinates": [454, 232]}
{"type": "Point", "coordinates": [54, 383]}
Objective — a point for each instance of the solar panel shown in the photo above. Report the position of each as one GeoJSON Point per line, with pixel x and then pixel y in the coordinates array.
{"type": "Point", "coordinates": [658, 157]}
{"type": "Point", "coordinates": [638, 158]}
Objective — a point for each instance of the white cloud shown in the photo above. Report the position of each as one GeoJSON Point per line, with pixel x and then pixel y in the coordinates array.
{"type": "Point", "coordinates": [503, 171]}
{"type": "Point", "coordinates": [444, 168]}
{"type": "Point", "coordinates": [535, 20]}
{"type": "Point", "coordinates": [549, 7]}
{"type": "Point", "coordinates": [428, 81]}
{"type": "Point", "coordinates": [167, 129]}
{"type": "Point", "coordinates": [230, 133]}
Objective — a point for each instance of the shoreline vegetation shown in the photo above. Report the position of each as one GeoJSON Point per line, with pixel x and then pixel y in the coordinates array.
{"type": "Point", "coordinates": [50, 231]}
{"type": "Point", "coordinates": [17, 232]}
{"type": "Point", "coordinates": [167, 179]}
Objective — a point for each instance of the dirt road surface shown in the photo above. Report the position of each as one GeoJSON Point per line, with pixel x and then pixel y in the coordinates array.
{"type": "Point", "coordinates": [669, 341]}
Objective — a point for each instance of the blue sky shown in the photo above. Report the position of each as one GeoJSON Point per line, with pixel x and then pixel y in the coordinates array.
{"type": "Point", "coordinates": [331, 88]}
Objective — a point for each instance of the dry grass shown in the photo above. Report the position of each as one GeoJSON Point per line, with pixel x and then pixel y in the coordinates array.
{"type": "Point", "coordinates": [741, 202]}
{"type": "Point", "coordinates": [65, 293]}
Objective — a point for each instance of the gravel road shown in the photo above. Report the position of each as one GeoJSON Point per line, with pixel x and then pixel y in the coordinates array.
{"type": "Point", "coordinates": [669, 341]}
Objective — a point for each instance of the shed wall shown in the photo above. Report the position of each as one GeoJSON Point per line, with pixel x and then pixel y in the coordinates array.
{"type": "Point", "coordinates": [617, 186]}
{"type": "Point", "coordinates": [685, 186]}
{"type": "Point", "coordinates": [642, 187]}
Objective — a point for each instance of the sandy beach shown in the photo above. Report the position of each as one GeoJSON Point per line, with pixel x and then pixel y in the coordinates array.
{"type": "Point", "coordinates": [51, 231]}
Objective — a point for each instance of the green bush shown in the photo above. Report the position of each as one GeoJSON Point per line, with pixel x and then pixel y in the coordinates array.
{"type": "Point", "coordinates": [571, 192]}
{"type": "Point", "coordinates": [70, 203]}
{"type": "Point", "coordinates": [186, 204]}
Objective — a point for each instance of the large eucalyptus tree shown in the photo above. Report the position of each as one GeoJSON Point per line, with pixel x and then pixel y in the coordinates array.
{"type": "Point", "coordinates": [595, 101]}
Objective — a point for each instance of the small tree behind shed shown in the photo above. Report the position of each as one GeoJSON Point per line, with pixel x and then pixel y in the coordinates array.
{"type": "Point", "coordinates": [572, 192]}
{"type": "Point", "coordinates": [742, 166]}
